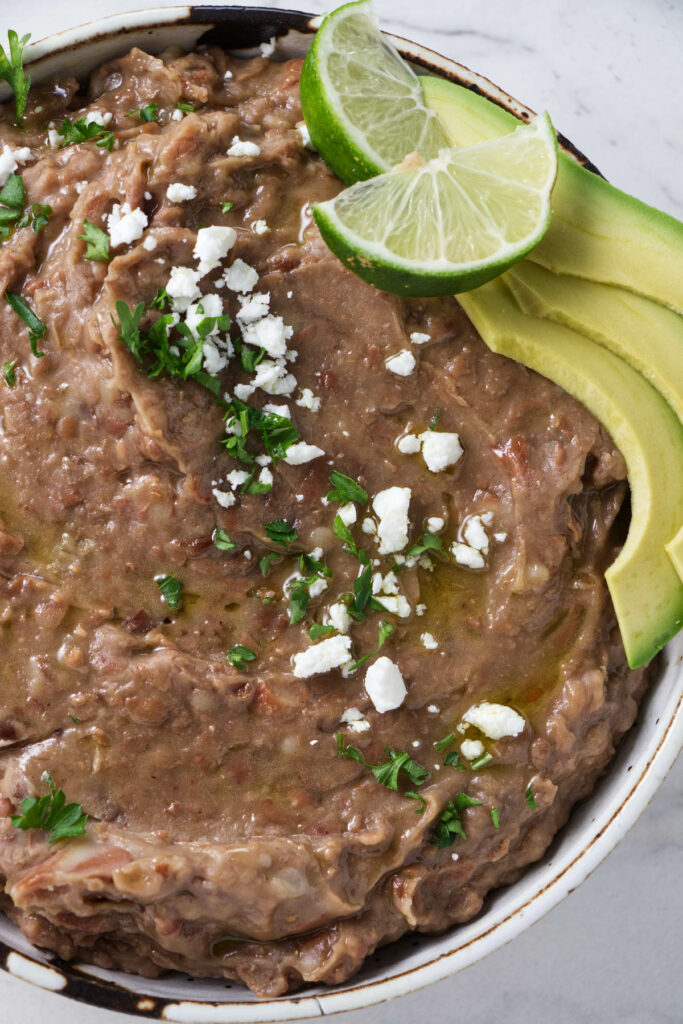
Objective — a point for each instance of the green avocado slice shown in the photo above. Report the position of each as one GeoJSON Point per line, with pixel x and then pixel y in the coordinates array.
{"type": "Point", "coordinates": [645, 334]}
{"type": "Point", "coordinates": [645, 588]}
{"type": "Point", "coordinates": [597, 231]}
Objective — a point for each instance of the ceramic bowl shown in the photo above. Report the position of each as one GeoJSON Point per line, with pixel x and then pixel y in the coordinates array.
{"type": "Point", "coordinates": [595, 826]}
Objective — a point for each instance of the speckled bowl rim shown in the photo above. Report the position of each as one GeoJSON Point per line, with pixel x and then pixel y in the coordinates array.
{"type": "Point", "coordinates": [596, 825]}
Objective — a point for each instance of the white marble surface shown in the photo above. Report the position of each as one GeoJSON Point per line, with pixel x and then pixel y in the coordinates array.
{"type": "Point", "coordinates": [609, 72]}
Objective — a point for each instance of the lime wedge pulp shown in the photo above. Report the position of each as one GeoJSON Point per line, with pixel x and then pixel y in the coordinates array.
{"type": "Point", "coordinates": [362, 103]}
{"type": "Point", "coordinates": [450, 224]}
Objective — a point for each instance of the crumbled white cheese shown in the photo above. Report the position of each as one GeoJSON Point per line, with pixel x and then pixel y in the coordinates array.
{"type": "Point", "coordinates": [396, 605]}
{"type": "Point", "coordinates": [317, 587]}
{"type": "Point", "coordinates": [236, 477]}
{"type": "Point", "coordinates": [240, 277]}
{"type": "Point", "coordinates": [308, 400]}
{"type": "Point", "coordinates": [500, 537]}
{"type": "Point", "coordinates": [475, 535]}
{"type": "Point", "coordinates": [227, 75]}
{"type": "Point", "coordinates": [391, 505]}
{"type": "Point", "coordinates": [384, 685]}
{"type": "Point", "coordinates": [211, 305]}
{"type": "Point", "coordinates": [100, 117]}
{"type": "Point", "coordinates": [182, 287]}
{"type": "Point", "coordinates": [390, 583]}
{"type": "Point", "coordinates": [420, 609]}
{"type": "Point", "coordinates": [267, 49]}
{"type": "Point", "coordinates": [149, 243]}
{"type": "Point", "coordinates": [177, 115]}
{"type": "Point", "coordinates": [418, 338]}
{"type": "Point", "coordinates": [429, 641]}
{"type": "Point", "coordinates": [260, 227]}
{"type": "Point", "coordinates": [402, 363]}
{"type": "Point", "coordinates": [125, 225]}
{"type": "Point", "coordinates": [212, 245]}
{"type": "Point", "coordinates": [179, 193]}
{"type": "Point", "coordinates": [224, 498]}
{"type": "Point", "coordinates": [494, 720]}
{"type": "Point", "coordinates": [216, 355]}
{"type": "Point", "coordinates": [244, 391]}
{"type": "Point", "coordinates": [467, 556]}
{"type": "Point", "coordinates": [80, 185]}
{"type": "Point", "coordinates": [440, 449]}
{"type": "Point", "coordinates": [305, 137]}
{"type": "Point", "coordinates": [263, 460]}
{"type": "Point", "coordinates": [339, 617]}
{"type": "Point", "coordinates": [301, 452]}
{"type": "Point", "coordinates": [433, 709]}
{"type": "Point", "coordinates": [269, 333]}
{"type": "Point", "coordinates": [272, 377]}
{"type": "Point", "coordinates": [54, 141]}
{"type": "Point", "coordinates": [361, 726]}
{"type": "Point", "coordinates": [348, 514]}
{"type": "Point", "coordinates": [265, 477]}
{"type": "Point", "coordinates": [409, 444]}
{"type": "Point", "coordinates": [240, 148]}
{"type": "Point", "coordinates": [435, 523]}
{"type": "Point", "coordinates": [277, 410]}
{"type": "Point", "coordinates": [253, 307]}
{"type": "Point", "coordinates": [322, 657]}
{"type": "Point", "coordinates": [471, 749]}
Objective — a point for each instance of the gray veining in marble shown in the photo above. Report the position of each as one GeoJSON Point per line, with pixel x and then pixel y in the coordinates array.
{"type": "Point", "coordinates": [609, 72]}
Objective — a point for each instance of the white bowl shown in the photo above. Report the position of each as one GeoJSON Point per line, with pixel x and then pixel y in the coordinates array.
{"type": "Point", "coordinates": [595, 826]}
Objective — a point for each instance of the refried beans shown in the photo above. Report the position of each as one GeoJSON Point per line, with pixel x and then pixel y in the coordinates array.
{"type": "Point", "coordinates": [236, 827]}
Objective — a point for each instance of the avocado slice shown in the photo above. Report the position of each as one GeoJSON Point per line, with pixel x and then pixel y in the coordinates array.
{"type": "Point", "coordinates": [646, 590]}
{"type": "Point", "coordinates": [597, 231]}
{"type": "Point", "coordinates": [674, 550]}
{"type": "Point", "coordinates": [645, 334]}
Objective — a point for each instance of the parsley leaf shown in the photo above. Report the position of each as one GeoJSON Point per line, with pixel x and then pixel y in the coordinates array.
{"type": "Point", "coordinates": [449, 827]}
{"type": "Point", "coordinates": [387, 773]}
{"type": "Point", "coordinates": [342, 531]}
{"type": "Point", "coordinates": [12, 70]}
{"type": "Point", "coordinates": [429, 542]}
{"type": "Point", "coordinates": [453, 759]}
{"type": "Point", "coordinates": [97, 242]}
{"type": "Point", "coordinates": [8, 372]}
{"type": "Point", "coordinates": [227, 205]}
{"type": "Point", "coordinates": [36, 327]}
{"type": "Point", "coordinates": [240, 655]}
{"type": "Point", "coordinates": [362, 595]}
{"type": "Point", "coordinates": [299, 597]}
{"type": "Point", "coordinates": [280, 532]}
{"type": "Point", "coordinates": [445, 742]}
{"type": "Point", "coordinates": [309, 564]}
{"type": "Point", "coordinates": [148, 113]}
{"type": "Point", "coordinates": [41, 216]}
{"type": "Point", "coordinates": [482, 761]}
{"type": "Point", "coordinates": [160, 300]}
{"type": "Point", "coordinates": [495, 817]}
{"type": "Point", "coordinates": [276, 432]}
{"type": "Point", "coordinates": [345, 489]}
{"type": "Point", "coordinates": [12, 198]}
{"type": "Point", "coordinates": [265, 563]}
{"type": "Point", "coordinates": [222, 541]}
{"type": "Point", "coordinates": [385, 631]}
{"type": "Point", "coordinates": [435, 418]}
{"type": "Point", "coordinates": [317, 630]}
{"type": "Point", "coordinates": [74, 132]}
{"type": "Point", "coordinates": [171, 590]}
{"type": "Point", "coordinates": [416, 796]}
{"type": "Point", "coordinates": [530, 797]}
{"type": "Point", "coordinates": [52, 814]}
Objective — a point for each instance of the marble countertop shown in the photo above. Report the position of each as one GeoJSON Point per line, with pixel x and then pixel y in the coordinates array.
{"type": "Point", "coordinates": [608, 71]}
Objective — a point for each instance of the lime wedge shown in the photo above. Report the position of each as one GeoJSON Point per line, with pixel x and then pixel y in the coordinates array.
{"type": "Point", "coordinates": [362, 103]}
{"type": "Point", "coordinates": [450, 224]}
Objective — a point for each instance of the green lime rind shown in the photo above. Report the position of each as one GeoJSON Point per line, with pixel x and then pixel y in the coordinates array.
{"type": "Point", "coordinates": [362, 103]}
{"type": "Point", "coordinates": [449, 225]}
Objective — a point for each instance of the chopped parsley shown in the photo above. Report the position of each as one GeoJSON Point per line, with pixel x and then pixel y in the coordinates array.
{"type": "Point", "coordinates": [36, 327]}
{"type": "Point", "coordinates": [385, 631]}
{"type": "Point", "coordinates": [160, 300]}
{"type": "Point", "coordinates": [453, 760]}
{"type": "Point", "coordinates": [299, 597]}
{"type": "Point", "coordinates": [51, 813]}
{"type": "Point", "coordinates": [148, 113]}
{"type": "Point", "coordinates": [251, 486]}
{"type": "Point", "coordinates": [435, 418]}
{"type": "Point", "coordinates": [12, 70]}
{"type": "Point", "coordinates": [9, 373]}
{"type": "Point", "coordinates": [389, 772]}
{"type": "Point", "coordinates": [362, 599]}
{"type": "Point", "coordinates": [416, 796]}
{"type": "Point", "coordinates": [482, 761]}
{"type": "Point", "coordinates": [227, 206]}
{"type": "Point", "coordinates": [495, 817]}
{"type": "Point", "coordinates": [449, 827]}
{"type": "Point", "coordinates": [12, 198]}
{"type": "Point", "coordinates": [222, 541]}
{"type": "Point", "coordinates": [429, 542]}
{"type": "Point", "coordinates": [171, 590]}
{"type": "Point", "coordinates": [41, 215]}
{"type": "Point", "coordinates": [267, 561]}
{"type": "Point", "coordinates": [342, 531]}
{"type": "Point", "coordinates": [445, 742]}
{"type": "Point", "coordinates": [240, 655]}
{"type": "Point", "coordinates": [530, 797]}
{"type": "Point", "coordinates": [280, 532]}
{"type": "Point", "coordinates": [317, 630]}
{"type": "Point", "coordinates": [97, 242]}
{"type": "Point", "coordinates": [74, 132]}
{"type": "Point", "coordinates": [275, 432]}
{"type": "Point", "coordinates": [345, 489]}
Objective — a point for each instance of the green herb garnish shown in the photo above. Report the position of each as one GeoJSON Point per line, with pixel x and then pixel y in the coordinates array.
{"type": "Point", "coordinates": [345, 489]}
{"type": "Point", "coordinates": [36, 327]}
{"type": "Point", "coordinates": [275, 432]}
{"type": "Point", "coordinates": [12, 197]}
{"type": "Point", "coordinates": [280, 532]}
{"type": "Point", "coordinates": [75, 132]}
{"type": "Point", "coordinates": [12, 70]}
{"type": "Point", "coordinates": [267, 561]}
{"type": "Point", "coordinates": [317, 630]}
{"type": "Point", "coordinates": [449, 827]}
{"type": "Point", "coordinates": [171, 590]}
{"type": "Point", "coordinates": [51, 814]}
{"type": "Point", "coordinates": [429, 542]}
{"type": "Point", "coordinates": [227, 206]}
{"type": "Point", "coordinates": [342, 531]}
{"type": "Point", "coordinates": [97, 242]}
{"type": "Point", "coordinates": [388, 773]}
{"type": "Point", "coordinates": [385, 631]}
{"type": "Point", "coordinates": [240, 655]}
{"type": "Point", "coordinates": [445, 742]}
{"type": "Point", "coordinates": [435, 418]}
{"type": "Point", "coordinates": [186, 107]}
{"type": "Point", "coordinates": [41, 215]}
{"type": "Point", "coordinates": [530, 797]}
{"type": "Point", "coordinates": [453, 760]}
{"type": "Point", "coordinates": [495, 817]}
{"type": "Point", "coordinates": [222, 541]}
{"type": "Point", "coordinates": [416, 796]}
{"type": "Point", "coordinates": [148, 113]}
{"type": "Point", "coordinates": [9, 373]}
{"type": "Point", "coordinates": [481, 761]}
{"type": "Point", "coordinates": [299, 597]}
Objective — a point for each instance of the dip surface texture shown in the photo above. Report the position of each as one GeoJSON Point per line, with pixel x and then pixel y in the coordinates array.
{"type": "Point", "coordinates": [226, 834]}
